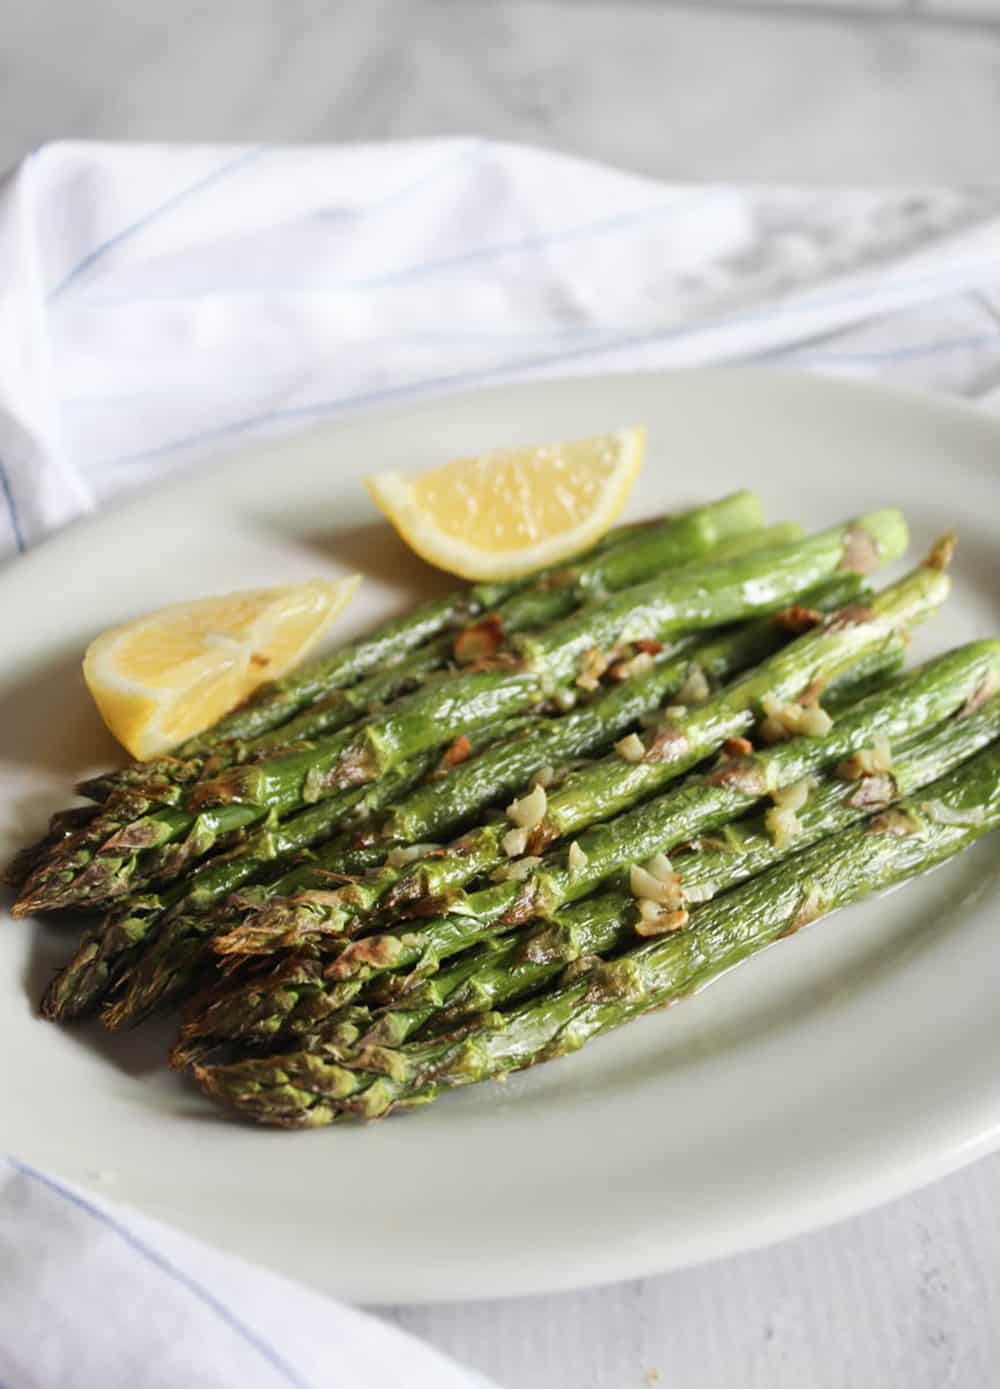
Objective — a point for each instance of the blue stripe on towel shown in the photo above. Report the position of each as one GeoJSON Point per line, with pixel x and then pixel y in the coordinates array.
{"type": "Point", "coordinates": [541, 242]}
{"type": "Point", "coordinates": [202, 1295]}
{"type": "Point", "coordinates": [230, 167]}
{"type": "Point", "coordinates": [421, 270]}
{"type": "Point", "coordinates": [427, 176]}
{"type": "Point", "coordinates": [423, 180]}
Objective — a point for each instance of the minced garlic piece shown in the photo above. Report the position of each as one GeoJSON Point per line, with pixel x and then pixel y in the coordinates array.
{"type": "Point", "coordinates": [815, 722]}
{"type": "Point", "coordinates": [867, 761]}
{"type": "Point", "coordinates": [595, 663]}
{"type": "Point", "coordinates": [514, 843]}
{"type": "Point", "coordinates": [576, 859]}
{"type": "Point", "coordinates": [656, 921]}
{"type": "Point", "coordinates": [881, 754]}
{"type": "Point", "coordinates": [515, 872]}
{"type": "Point", "coordinates": [790, 720]}
{"type": "Point", "coordinates": [635, 665]}
{"type": "Point", "coordinates": [794, 796]}
{"type": "Point", "coordinates": [783, 826]}
{"type": "Point", "coordinates": [399, 858]}
{"type": "Point", "coordinates": [771, 731]}
{"type": "Point", "coordinates": [631, 748]}
{"type": "Point", "coordinates": [696, 688]}
{"type": "Point", "coordinates": [529, 811]}
{"type": "Point", "coordinates": [656, 883]}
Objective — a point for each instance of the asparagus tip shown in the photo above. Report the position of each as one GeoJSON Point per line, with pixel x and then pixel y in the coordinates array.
{"type": "Point", "coordinates": [115, 1017]}
{"type": "Point", "coordinates": [185, 1053]}
{"type": "Point", "coordinates": [58, 1003]}
{"type": "Point", "coordinates": [39, 896]}
{"type": "Point", "coordinates": [941, 552]}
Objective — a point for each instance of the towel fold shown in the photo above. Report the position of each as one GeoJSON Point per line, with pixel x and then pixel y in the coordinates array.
{"type": "Point", "coordinates": [159, 304]}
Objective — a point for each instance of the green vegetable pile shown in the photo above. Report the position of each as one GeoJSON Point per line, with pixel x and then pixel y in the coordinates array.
{"type": "Point", "coordinates": [524, 814]}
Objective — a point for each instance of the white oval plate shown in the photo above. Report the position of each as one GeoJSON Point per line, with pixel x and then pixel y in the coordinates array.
{"type": "Point", "coordinates": [849, 1064]}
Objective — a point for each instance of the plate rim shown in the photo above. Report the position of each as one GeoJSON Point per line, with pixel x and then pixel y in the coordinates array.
{"type": "Point", "coordinates": [202, 468]}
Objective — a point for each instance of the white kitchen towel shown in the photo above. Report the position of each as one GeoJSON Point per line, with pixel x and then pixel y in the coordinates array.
{"type": "Point", "coordinates": [161, 304]}
{"type": "Point", "coordinates": [93, 1299]}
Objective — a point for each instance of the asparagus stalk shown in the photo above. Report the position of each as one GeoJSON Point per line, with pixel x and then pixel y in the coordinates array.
{"type": "Point", "coordinates": [686, 736]}
{"type": "Point", "coordinates": [275, 703]}
{"type": "Point", "coordinates": [299, 993]}
{"type": "Point", "coordinates": [76, 872]}
{"type": "Point", "coordinates": [304, 1089]}
{"type": "Point", "coordinates": [175, 955]}
{"type": "Point", "coordinates": [707, 532]}
{"type": "Point", "coordinates": [164, 780]}
{"type": "Point", "coordinates": [594, 793]}
{"type": "Point", "coordinates": [107, 951]}
{"type": "Point", "coordinates": [62, 825]}
{"type": "Point", "coordinates": [666, 547]}
{"type": "Point", "coordinates": [405, 648]}
{"type": "Point", "coordinates": [508, 767]}
{"type": "Point", "coordinates": [489, 977]}
{"type": "Point", "coordinates": [428, 718]}
{"type": "Point", "coordinates": [440, 804]}
{"type": "Point", "coordinates": [167, 966]}
{"type": "Point", "coordinates": [159, 845]}
{"type": "Point", "coordinates": [659, 609]}
{"type": "Point", "coordinates": [276, 920]}
{"type": "Point", "coordinates": [143, 788]}
{"type": "Point", "coordinates": [685, 536]}
{"type": "Point", "coordinates": [327, 701]}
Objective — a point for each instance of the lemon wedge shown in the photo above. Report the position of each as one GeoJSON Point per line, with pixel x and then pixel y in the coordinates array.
{"type": "Point", "coordinates": [171, 674]}
{"type": "Point", "coordinates": [510, 511]}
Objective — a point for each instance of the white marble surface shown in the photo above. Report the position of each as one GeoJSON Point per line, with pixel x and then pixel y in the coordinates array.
{"type": "Point", "coordinates": [878, 90]}
{"type": "Point", "coordinates": [874, 90]}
